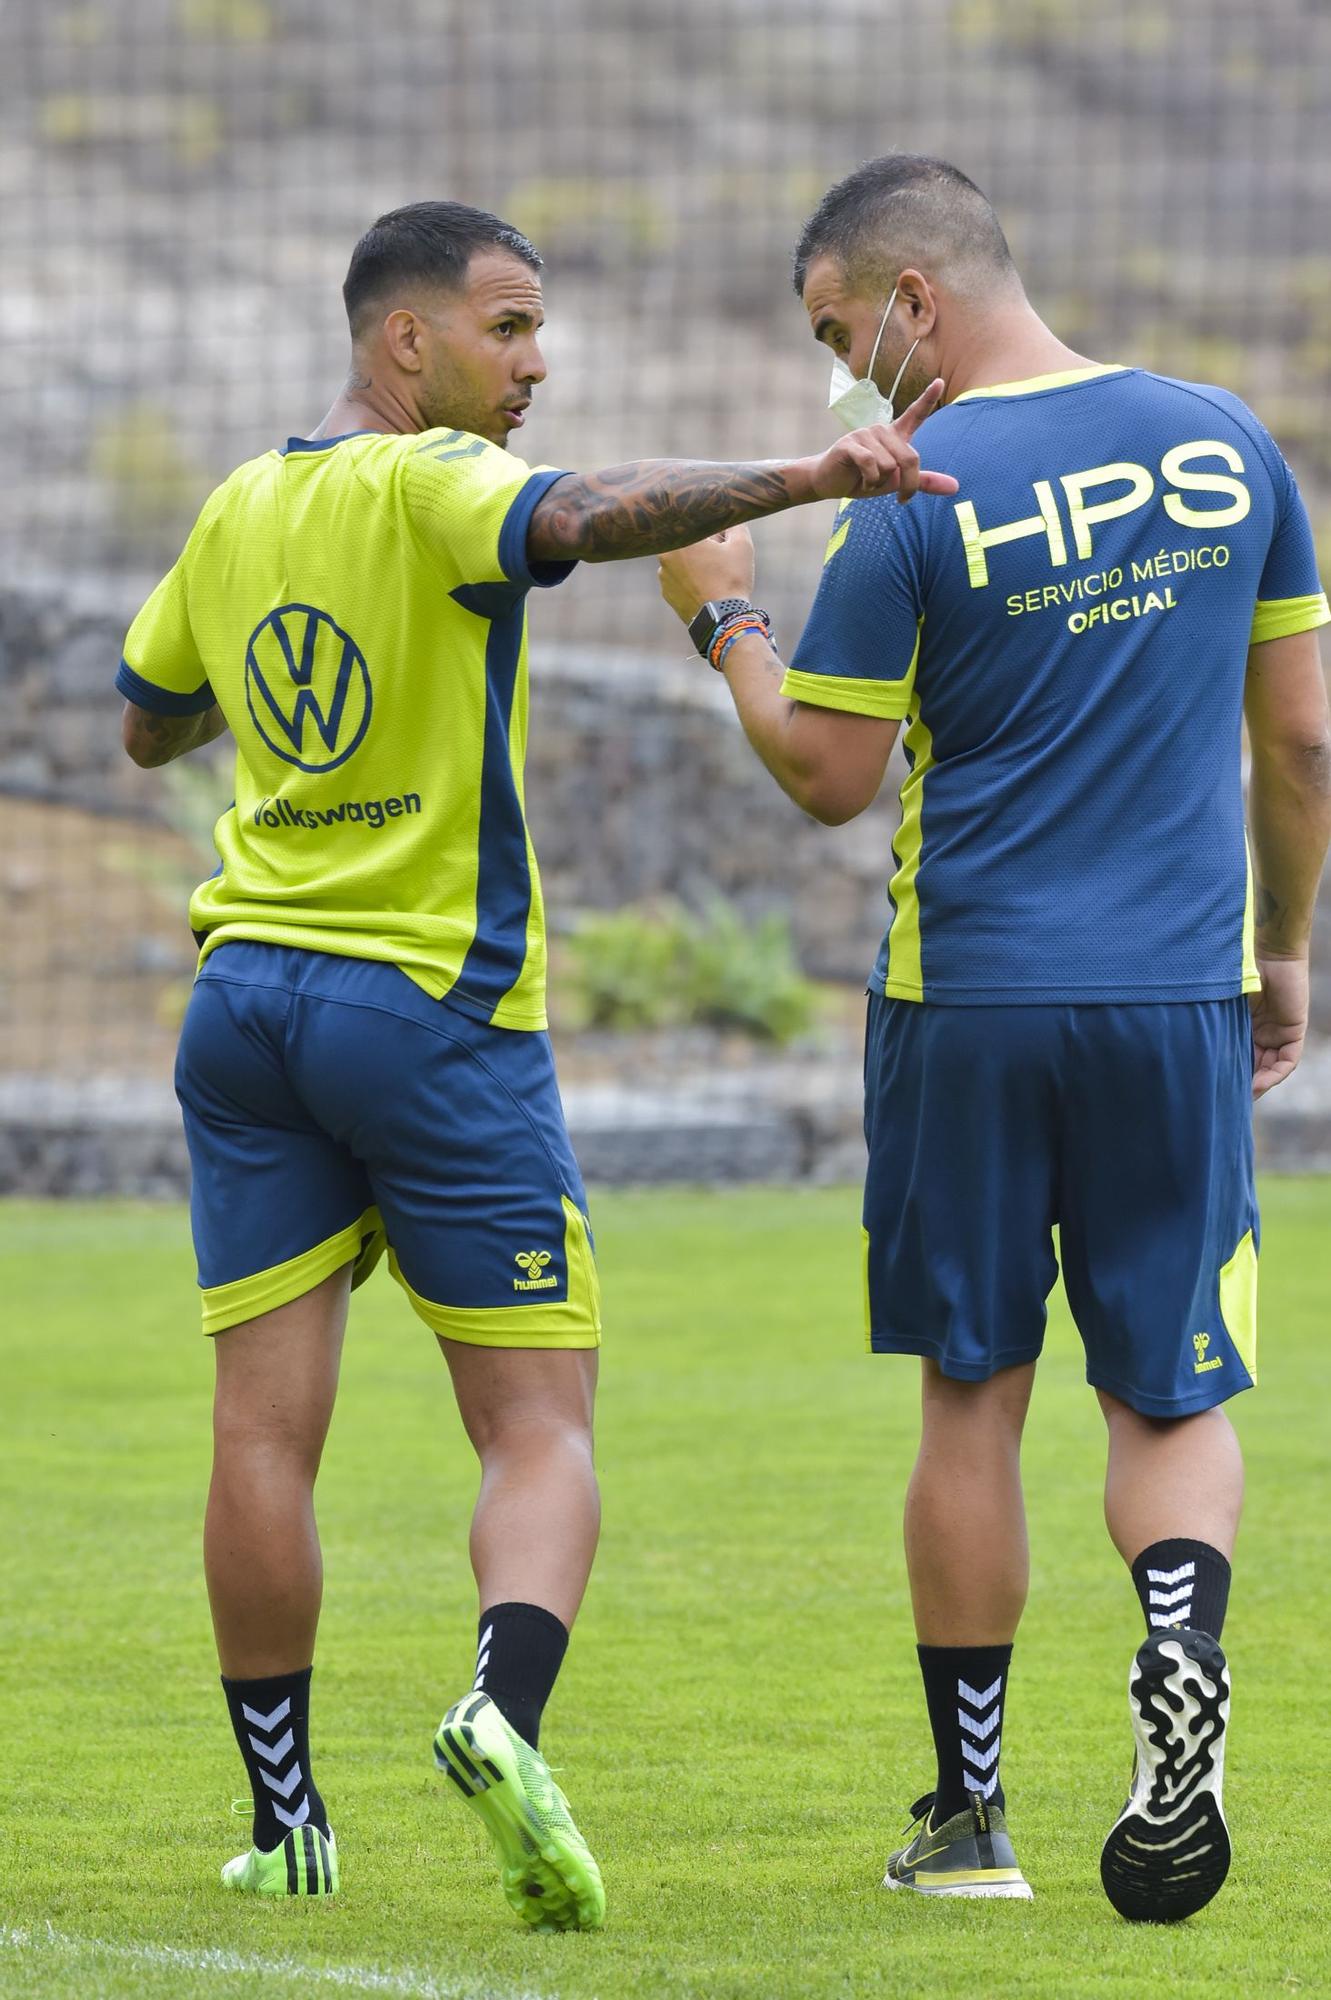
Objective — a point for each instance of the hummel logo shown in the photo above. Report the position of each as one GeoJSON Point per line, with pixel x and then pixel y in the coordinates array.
{"type": "Point", "coordinates": [1201, 1366]}
{"type": "Point", "coordinates": [266, 1722]}
{"type": "Point", "coordinates": [533, 1262]}
{"type": "Point", "coordinates": [979, 1764]}
{"type": "Point", "coordinates": [276, 1754]}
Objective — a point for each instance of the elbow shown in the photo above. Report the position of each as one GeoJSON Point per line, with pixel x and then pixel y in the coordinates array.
{"type": "Point", "coordinates": [834, 812]}
{"type": "Point", "coordinates": [561, 530]}
{"type": "Point", "coordinates": [141, 748]}
{"type": "Point", "coordinates": [1314, 764]}
{"type": "Point", "coordinates": [826, 801]}
{"type": "Point", "coordinates": [1300, 762]}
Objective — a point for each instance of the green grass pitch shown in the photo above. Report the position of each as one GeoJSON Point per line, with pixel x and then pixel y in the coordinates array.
{"type": "Point", "coordinates": [739, 1725]}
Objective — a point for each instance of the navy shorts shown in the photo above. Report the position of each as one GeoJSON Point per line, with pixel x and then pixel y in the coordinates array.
{"type": "Point", "coordinates": [333, 1109]}
{"type": "Point", "coordinates": [1126, 1128]}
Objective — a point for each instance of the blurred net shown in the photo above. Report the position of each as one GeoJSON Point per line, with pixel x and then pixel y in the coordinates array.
{"type": "Point", "coordinates": [184, 180]}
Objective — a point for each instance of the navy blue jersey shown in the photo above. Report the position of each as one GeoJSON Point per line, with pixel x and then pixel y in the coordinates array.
{"type": "Point", "coordinates": [1067, 638]}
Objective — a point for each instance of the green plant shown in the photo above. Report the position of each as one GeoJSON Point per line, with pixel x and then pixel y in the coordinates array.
{"type": "Point", "coordinates": [659, 965]}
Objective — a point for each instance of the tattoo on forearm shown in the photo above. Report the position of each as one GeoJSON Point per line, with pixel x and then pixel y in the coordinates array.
{"type": "Point", "coordinates": [653, 505]}
{"type": "Point", "coordinates": [153, 740]}
{"type": "Point", "coordinates": [1275, 923]}
{"type": "Point", "coordinates": [1266, 910]}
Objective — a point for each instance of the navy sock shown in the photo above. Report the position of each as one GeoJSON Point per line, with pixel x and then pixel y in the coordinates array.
{"type": "Point", "coordinates": [965, 1687]}
{"type": "Point", "coordinates": [519, 1653]}
{"type": "Point", "coordinates": [1182, 1583]}
{"type": "Point", "coordinates": [271, 1718]}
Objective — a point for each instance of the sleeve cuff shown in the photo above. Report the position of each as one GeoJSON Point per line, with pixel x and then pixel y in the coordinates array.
{"type": "Point", "coordinates": [889, 699]}
{"type": "Point", "coordinates": [1279, 617]}
{"type": "Point", "coordinates": [162, 701]}
{"type": "Point", "coordinates": [513, 559]}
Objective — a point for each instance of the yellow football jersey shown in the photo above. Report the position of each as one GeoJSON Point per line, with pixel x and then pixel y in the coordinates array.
{"type": "Point", "coordinates": [356, 607]}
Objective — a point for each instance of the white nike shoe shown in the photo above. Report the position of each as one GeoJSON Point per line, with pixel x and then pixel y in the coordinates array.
{"type": "Point", "coordinates": [1168, 1851]}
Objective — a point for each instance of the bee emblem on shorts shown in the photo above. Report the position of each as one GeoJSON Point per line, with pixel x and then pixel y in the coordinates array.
{"type": "Point", "coordinates": [1201, 1366]}
{"type": "Point", "coordinates": [533, 1263]}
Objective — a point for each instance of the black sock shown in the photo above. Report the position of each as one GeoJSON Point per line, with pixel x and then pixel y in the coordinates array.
{"type": "Point", "coordinates": [965, 1687]}
{"type": "Point", "coordinates": [271, 1719]}
{"type": "Point", "coordinates": [1182, 1583]}
{"type": "Point", "coordinates": [518, 1656]}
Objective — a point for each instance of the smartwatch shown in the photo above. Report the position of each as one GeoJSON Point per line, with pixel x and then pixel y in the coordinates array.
{"type": "Point", "coordinates": [703, 626]}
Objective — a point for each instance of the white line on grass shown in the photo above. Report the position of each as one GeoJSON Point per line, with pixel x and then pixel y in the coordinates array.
{"type": "Point", "coordinates": [407, 1983]}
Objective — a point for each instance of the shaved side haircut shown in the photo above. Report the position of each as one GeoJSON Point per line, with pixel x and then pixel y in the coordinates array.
{"type": "Point", "coordinates": [907, 209]}
{"type": "Point", "coordinates": [427, 243]}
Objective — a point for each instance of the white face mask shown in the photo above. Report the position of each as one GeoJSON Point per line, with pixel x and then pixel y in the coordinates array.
{"type": "Point", "coordinates": [855, 401]}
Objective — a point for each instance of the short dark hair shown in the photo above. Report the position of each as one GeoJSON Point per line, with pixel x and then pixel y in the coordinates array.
{"type": "Point", "coordinates": [430, 242]}
{"type": "Point", "coordinates": [899, 209]}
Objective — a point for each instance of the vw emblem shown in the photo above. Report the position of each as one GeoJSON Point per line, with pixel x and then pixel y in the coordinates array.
{"type": "Point", "coordinates": [308, 687]}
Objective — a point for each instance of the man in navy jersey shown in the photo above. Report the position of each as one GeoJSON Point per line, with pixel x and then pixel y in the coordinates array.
{"type": "Point", "coordinates": [1085, 980]}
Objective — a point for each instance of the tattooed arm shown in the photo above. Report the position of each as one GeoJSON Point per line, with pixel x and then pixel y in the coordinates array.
{"type": "Point", "coordinates": [1289, 819]}
{"type": "Point", "coordinates": [151, 739]}
{"type": "Point", "coordinates": [663, 503]}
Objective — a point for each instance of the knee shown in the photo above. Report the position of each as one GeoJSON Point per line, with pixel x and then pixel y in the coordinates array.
{"type": "Point", "coordinates": [1138, 1439]}
{"type": "Point", "coordinates": [1125, 1422]}
{"type": "Point", "coordinates": [1122, 1419]}
{"type": "Point", "coordinates": [509, 1432]}
{"type": "Point", "coordinates": [993, 1411]}
{"type": "Point", "coordinates": [246, 1436]}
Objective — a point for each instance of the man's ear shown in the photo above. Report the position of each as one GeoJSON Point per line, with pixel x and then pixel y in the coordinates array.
{"type": "Point", "coordinates": [921, 301]}
{"type": "Point", "coordinates": [401, 333]}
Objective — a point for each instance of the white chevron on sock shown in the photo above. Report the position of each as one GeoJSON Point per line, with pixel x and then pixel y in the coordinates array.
{"type": "Point", "coordinates": [297, 1818]}
{"type": "Point", "coordinates": [483, 1656]}
{"type": "Point", "coordinates": [278, 1753]}
{"type": "Point", "coordinates": [1171, 1575]}
{"type": "Point", "coordinates": [967, 1693]}
{"type": "Point", "coordinates": [268, 1722]}
{"type": "Point", "coordinates": [986, 1725]}
{"type": "Point", "coordinates": [982, 1759]}
{"type": "Point", "coordinates": [1180, 1596]}
{"type": "Point", "coordinates": [284, 1787]}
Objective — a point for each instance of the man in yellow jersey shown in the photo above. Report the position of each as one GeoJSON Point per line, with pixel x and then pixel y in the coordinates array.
{"type": "Point", "coordinates": [364, 1061]}
{"type": "Point", "coordinates": [1059, 1027]}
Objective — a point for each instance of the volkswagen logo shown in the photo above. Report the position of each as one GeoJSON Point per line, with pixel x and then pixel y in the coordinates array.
{"type": "Point", "coordinates": [308, 687]}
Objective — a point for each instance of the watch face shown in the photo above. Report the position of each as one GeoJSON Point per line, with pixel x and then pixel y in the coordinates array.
{"type": "Point", "coordinates": [704, 623]}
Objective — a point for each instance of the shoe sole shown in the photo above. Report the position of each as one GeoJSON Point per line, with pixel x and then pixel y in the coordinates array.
{"type": "Point", "coordinates": [545, 1880]}
{"type": "Point", "coordinates": [1168, 1852]}
{"type": "Point", "coordinates": [1008, 1892]}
